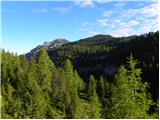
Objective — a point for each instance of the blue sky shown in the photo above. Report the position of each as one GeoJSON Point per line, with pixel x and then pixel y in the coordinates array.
{"type": "Point", "coordinates": [28, 24]}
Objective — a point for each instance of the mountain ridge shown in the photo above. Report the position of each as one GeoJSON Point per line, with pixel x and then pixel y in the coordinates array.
{"type": "Point", "coordinates": [52, 45]}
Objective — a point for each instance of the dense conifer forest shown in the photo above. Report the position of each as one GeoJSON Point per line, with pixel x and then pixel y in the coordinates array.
{"type": "Point", "coordinates": [96, 77]}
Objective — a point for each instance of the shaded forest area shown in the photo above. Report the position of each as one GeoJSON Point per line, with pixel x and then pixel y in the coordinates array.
{"type": "Point", "coordinates": [102, 53]}
{"type": "Point", "coordinates": [48, 86]}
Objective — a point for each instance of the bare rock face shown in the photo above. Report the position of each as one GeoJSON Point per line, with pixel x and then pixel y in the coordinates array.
{"type": "Point", "coordinates": [48, 46]}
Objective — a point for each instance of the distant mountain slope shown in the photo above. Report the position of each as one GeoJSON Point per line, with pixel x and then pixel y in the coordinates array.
{"type": "Point", "coordinates": [103, 54]}
{"type": "Point", "coordinates": [48, 46]}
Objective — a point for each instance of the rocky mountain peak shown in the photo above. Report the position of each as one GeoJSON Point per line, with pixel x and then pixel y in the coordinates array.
{"type": "Point", "coordinates": [52, 45]}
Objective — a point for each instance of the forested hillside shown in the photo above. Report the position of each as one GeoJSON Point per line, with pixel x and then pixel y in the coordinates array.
{"type": "Point", "coordinates": [97, 77]}
{"type": "Point", "coordinates": [103, 54]}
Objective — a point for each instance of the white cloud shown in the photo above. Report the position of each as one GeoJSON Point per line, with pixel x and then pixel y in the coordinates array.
{"type": "Point", "coordinates": [147, 11]}
{"type": "Point", "coordinates": [84, 3]}
{"type": "Point", "coordinates": [119, 4]}
{"type": "Point", "coordinates": [122, 32]}
{"type": "Point", "coordinates": [88, 29]}
{"type": "Point", "coordinates": [103, 22]}
{"type": "Point", "coordinates": [123, 28]}
{"type": "Point", "coordinates": [132, 23]}
{"type": "Point", "coordinates": [86, 24]}
{"type": "Point", "coordinates": [61, 9]}
{"type": "Point", "coordinates": [127, 22]}
{"type": "Point", "coordinates": [117, 21]}
{"type": "Point", "coordinates": [77, 2]}
{"type": "Point", "coordinates": [103, 1]}
{"type": "Point", "coordinates": [107, 13]}
{"type": "Point", "coordinates": [41, 10]}
{"type": "Point", "coordinates": [140, 4]}
{"type": "Point", "coordinates": [150, 11]}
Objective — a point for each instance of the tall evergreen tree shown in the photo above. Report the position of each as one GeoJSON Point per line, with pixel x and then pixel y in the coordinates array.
{"type": "Point", "coordinates": [130, 98]}
{"type": "Point", "coordinates": [35, 102]}
{"type": "Point", "coordinates": [94, 100]}
{"type": "Point", "coordinates": [68, 84]}
{"type": "Point", "coordinates": [72, 85]}
{"type": "Point", "coordinates": [76, 103]}
{"type": "Point", "coordinates": [45, 70]}
{"type": "Point", "coordinates": [91, 86]}
{"type": "Point", "coordinates": [101, 87]}
{"type": "Point", "coordinates": [11, 77]}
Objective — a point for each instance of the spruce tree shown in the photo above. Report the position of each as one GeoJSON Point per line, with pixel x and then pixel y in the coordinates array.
{"type": "Point", "coordinates": [35, 102]}
{"type": "Point", "coordinates": [101, 87]}
{"type": "Point", "coordinates": [11, 77]}
{"type": "Point", "coordinates": [46, 73]}
{"type": "Point", "coordinates": [94, 100]}
{"type": "Point", "coordinates": [130, 98]}
{"type": "Point", "coordinates": [77, 83]}
{"type": "Point", "coordinates": [45, 70]}
{"type": "Point", "coordinates": [71, 99]}
{"type": "Point", "coordinates": [91, 86]}
{"type": "Point", "coordinates": [68, 84]}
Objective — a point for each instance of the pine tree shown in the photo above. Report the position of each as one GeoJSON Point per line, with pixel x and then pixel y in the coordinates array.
{"type": "Point", "coordinates": [47, 75]}
{"type": "Point", "coordinates": [45, 70]}
{"type": "Point", "coordinates": [11, 77]}
{"type": "Point", "coordinates": [91, 86]}
{"type": "Point", "coordinates": [24, 62]}
{"type": "Point", "coordinates": [101, 87]}
{"type": "Point", "coordinates": [8, 109]}
{"type": "Point", "coordinates": [58, 89]}
{"type": "Point", "coordinates": [77, 84]}
{"type": "Point", "coordinates": [68, 84]}
{"type": "Point", "coordinates": [130, 98]}
{"type": "Point", "coordinates": [94, 100]}
{"type": "Point", "coordinates": [105, 94]}
{"type": "Point", "coordinates": [71, 98]}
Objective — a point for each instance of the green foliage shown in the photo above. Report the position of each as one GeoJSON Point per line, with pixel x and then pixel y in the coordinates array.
{"type": "Point", "coordinates": [68, 82]}
{"type": "Point", "coordinates": [95, 107]}
{"type": "Point", "coordinates": [94, 54]}
{"type": "Point", "coordinates": [101, 87]}
{"type": "Point", "coordinates": [39, 89]}
{"type": "Point", "coordinates": [94, 100]}
{"type": "Point", "coordinates": [130, 98]}
{"type": "Point", "coordinates": [45, 70]}
{"type": "Point", "coordinates": [155, 114]}
{"type": "Point", "coordinates": [91, 86]}
{"type": "Point", "coordinates": [72, 85]}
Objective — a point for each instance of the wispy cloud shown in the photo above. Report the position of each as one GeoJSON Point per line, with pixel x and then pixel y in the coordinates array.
{"type": "Point", "coordinates": [84, 3]}
{"type": "Point", "coordinates": [144, 12]}
{"type": "Point", "coordinates": [103, 1]}
{"type": "Point", "coordinates": [85, 26]}
{"type": "Point", "coordinates": [88, 30]}
{"type": "Point", "coordinates": [119, 4]}
{"type": "Point", "coordinates": [117, 21]}
{"type": "Point", "coordinates": [40, 10]}
{"type": "Point", "coordinates": [103, 22]}
{"type": "Point", "coordinates": [122, 32]}
{"type": "Point", "coordinates": [131, 21]}
{"type": "Point", "coordinates": [107, 13]}
{"type": "Point", "coordinates": [62, 9]}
